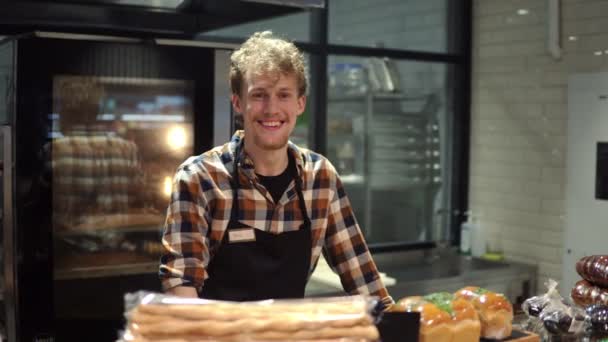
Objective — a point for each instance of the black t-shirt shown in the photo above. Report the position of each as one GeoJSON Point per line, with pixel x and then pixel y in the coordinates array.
{"type": "Point", "coordinates": [277, 185]}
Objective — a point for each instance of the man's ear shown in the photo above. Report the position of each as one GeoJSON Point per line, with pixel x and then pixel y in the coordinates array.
{"type": "Point", "coordinates": [237, 105]}
{"type": "Point", "coordinates": [301, 104]}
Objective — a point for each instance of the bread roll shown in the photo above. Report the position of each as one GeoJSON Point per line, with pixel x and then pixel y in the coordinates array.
{"type": "Point", "coordinates": [584, 294]}
{"type": "Point", "coordinates": [594, 268]}
{"type": "Point", "coordinates": [443, 318]}
{"type": "Point", "coordinates": [495, 311]}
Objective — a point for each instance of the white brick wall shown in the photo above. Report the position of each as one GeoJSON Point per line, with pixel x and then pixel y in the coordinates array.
{"type": "Point", "coordinates": [519, 120]}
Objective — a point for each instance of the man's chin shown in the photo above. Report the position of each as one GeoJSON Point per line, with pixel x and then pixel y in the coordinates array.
{"type": "Point", "coordinates": [272, 145]}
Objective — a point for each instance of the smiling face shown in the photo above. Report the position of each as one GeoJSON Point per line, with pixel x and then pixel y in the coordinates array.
{"type": "Point", "coordinates": [270, 105]}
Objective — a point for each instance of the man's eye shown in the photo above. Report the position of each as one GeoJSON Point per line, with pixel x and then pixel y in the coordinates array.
{"type": "Point", "coordinates": [285, 95]}
{"type": "Point", "coordinates": [257, 95]}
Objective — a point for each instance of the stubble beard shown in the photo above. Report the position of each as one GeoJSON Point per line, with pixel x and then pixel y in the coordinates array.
{"type": "Point", "coordinates": [271, 146]}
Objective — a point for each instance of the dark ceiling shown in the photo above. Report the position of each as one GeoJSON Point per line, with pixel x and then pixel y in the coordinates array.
{"type": "Point", "coordinates": [180, 18]}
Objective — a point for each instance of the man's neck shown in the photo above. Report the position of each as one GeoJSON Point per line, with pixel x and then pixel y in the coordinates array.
{"type": "Point", "coordinates": [267, 162]}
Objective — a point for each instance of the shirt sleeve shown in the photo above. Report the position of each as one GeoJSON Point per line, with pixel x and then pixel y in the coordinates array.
{"type": "Point", "coordinates": [346, 250]}
{"type": "Point", "coordinates": [185, 244]}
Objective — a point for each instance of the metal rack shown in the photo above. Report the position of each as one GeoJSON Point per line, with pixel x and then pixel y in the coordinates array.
{"type": "Point", "coordinates": [396, 141]}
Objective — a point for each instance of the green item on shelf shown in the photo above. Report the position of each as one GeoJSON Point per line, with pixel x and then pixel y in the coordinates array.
{"type": "Point", "coordinates": [493, 257]}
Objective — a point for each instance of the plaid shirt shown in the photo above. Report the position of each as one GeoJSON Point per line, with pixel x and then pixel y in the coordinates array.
{"type": "Point", "coordinates": [200, 206]}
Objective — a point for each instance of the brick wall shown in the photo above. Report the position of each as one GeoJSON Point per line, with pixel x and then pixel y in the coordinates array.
{"type": "Point", "coordinates": [519, 121]}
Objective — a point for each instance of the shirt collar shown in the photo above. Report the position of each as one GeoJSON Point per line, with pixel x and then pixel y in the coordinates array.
{"type": "Point", "coordinates": [246, 163]}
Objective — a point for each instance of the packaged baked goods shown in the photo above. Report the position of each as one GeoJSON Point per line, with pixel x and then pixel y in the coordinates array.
{"type": "Point", "coordinates": [443, 317]}
{"type": "Point", "coordinates": [594, 269]}
{"type": "Point", "coordinates": [155, 317]}
{"type": "Point", "coordinates": [561, 319]}
{"type": "Point", "coordinates": [550, 316]}
{"type": "Point", "coordinates": [597, 316]}
{"type": "Point", "coordinates": [584, 294]}
{"type": "Point", "coordinates": [534, 306]}
{"type": "Point", "coordinates": [494, 309]}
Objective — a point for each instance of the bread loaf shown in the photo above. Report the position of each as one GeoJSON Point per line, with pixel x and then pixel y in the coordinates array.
{"type": "Point", "coordinates": [495, 311]}
{"type": "Point", "coordinates": [443, 318]}
{"type": "Point", "coordinates": [594, 269]}
{"type": "Point", "coordinates": [584, 293]}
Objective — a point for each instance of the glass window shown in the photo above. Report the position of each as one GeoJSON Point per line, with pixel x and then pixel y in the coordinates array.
{"type": "Point", "coordinates": [6, 79]}
{"type": "Point", "coordinates": [7, 70]}
{"type": "Point", "coordinates": [399, 24]}
{"type": "Point", "coordinates": [388, 133]}
{"type": "Point", "coordinates": [292, 26]}
{"type": "Point", "coordinates": [115, 145]}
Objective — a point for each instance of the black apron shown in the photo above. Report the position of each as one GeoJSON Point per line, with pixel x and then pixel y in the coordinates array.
{"type": "Point", "coordinates": [272, 266]}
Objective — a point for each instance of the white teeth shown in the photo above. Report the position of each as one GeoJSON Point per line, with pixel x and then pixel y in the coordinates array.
{"type": "Point", "coordinates": [271, 123]}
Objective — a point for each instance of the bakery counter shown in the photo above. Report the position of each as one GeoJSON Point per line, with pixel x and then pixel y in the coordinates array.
{"type": "Point", "coordinates": [416, 273]}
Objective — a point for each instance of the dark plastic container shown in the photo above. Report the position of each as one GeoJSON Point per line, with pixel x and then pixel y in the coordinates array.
{"type": "Point", "coordinates": [399, 326]}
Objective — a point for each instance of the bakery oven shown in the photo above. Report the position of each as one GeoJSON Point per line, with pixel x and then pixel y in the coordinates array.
{"type": "Point", "coordinates": [95, 128]}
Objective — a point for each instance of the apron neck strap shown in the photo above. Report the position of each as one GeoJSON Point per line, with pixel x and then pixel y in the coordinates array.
{"type": "Point", "coordinates": [294, 174]}
{"type": "Point", "coordinates": [298, 180]}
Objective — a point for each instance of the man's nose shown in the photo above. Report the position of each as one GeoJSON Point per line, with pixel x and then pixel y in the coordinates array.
{"type": "Point", "coordinates": [272, 105]}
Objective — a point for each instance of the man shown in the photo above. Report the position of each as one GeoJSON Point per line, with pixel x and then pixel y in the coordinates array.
{"type": "Point", "coordinates": [248, 220]}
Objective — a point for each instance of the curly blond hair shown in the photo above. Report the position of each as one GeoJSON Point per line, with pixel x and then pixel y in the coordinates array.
{"type": "Point", "coordinates": [264, 53]}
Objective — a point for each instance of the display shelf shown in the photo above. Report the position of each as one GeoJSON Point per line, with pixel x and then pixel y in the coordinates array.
{"type": "Point", "coordinates": [130, 229]}
{"type": "Point", "coordinates": [377, 96]}
{"type": "Point", "coordinates": [386, 142]}
{"type": "Point", "coordinates": [107, 271]}
{"type": "Point", "coordinates": [104, 264]}
{"type": "Point", "coordinates": [112, 223]}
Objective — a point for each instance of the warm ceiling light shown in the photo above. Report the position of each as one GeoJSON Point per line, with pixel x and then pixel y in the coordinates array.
{"type": "Point", "coordinates": [522, 11]}
{"type": "Point", "coordinates": [572, 38]}
{"type": "Point", "coordinates": [168, 4]}
{"type": "Point", "coordinates": [167, 185]}
{"type": "Point", "coordinates": [598, 53]}
{"type": "Point", "coordinates": [176, 138]}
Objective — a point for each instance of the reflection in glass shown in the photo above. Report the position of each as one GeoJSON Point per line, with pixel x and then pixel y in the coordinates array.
{"type": "Point", "coordinates": [116, 143]}
{"type": "Point", "coordinates": [399, 24]}
{"type": "Point", "coordinates": [291, 26]}
{"type": "Point", "coordinates": [386, 138]}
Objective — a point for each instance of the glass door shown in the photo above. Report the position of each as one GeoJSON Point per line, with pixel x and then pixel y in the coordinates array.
{"type": "Point", "coordinates": [115, 144]}
{"type": "Point", "coordinates": [104, 125]}
{"type": "Point", "coordinates": [7, 274]}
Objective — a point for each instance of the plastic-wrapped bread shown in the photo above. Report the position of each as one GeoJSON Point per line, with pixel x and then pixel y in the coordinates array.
{"type": "Point", "coordinates": [156, 317]}
{"type": "Point", "coordinates": [495, 311]}
{"type": "Point", "coordinates": [598, 319]}
{"type": "Point", "coordinates": [594, 269]}
{"type": "Point", "coordinates": [443, 318]}
{"type": "Point", "coordinates": [584, 294]}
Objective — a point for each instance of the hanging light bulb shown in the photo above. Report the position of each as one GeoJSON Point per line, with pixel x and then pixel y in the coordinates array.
{"type": "Point", "coordinates": [176, 138]}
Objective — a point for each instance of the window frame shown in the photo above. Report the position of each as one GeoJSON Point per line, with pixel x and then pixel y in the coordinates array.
{"type": "Point", "coordinates": [458, 57]}
{"type": "Point", "coordinates": [459, 16]}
